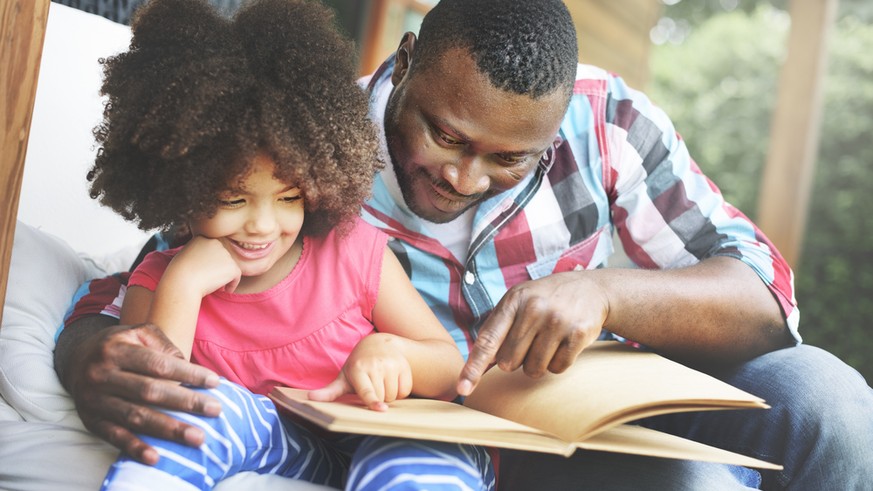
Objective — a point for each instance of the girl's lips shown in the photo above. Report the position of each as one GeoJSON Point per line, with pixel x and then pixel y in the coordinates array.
{"type": "Point", "coordinates": [251, 251]}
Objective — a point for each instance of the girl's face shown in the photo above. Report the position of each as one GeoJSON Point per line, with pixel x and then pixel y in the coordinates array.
{"type": "Point", "coordinates": [258, 224]}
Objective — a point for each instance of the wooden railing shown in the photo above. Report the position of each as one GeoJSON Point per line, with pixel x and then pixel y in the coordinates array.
{"type": "Point", "coordinates": [22, 32]}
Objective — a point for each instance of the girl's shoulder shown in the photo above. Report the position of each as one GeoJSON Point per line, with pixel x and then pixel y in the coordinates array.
{"type": "Point", "coordinates": [358, 250]}
{"type": "Point", "coordinates": [358, 235]}
{"type": "Point", "coordinates": [152, 267]}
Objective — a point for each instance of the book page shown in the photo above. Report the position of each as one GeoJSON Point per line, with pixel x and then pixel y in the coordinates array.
{"type": "Point", "coordinates": [643, 441]}
{"type": "Point", "coordinates": [609, 384]}
{"type": "Point", "coordinates": [424, 419]}
{"type": "Point", "coordinates": [427, 419]}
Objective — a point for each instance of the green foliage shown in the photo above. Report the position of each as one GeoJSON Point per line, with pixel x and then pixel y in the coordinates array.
{"type": "Point", "coordinates": [835, 277]}
{"type": "Point", "coordinates": [719, 86]}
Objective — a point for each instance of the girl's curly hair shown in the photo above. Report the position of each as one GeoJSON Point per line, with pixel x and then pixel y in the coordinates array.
{"type": "Point", "coordinates": [198, 95]}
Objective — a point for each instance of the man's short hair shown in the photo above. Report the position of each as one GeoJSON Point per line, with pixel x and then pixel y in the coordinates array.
{"type": "Point", "coordinates": [523, 46]}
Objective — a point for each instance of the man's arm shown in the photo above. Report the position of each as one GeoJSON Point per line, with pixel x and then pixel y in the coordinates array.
{"type": "Point", "coordinates": [115, 373]}
{"type": "Point", "coordinates": [718, 311]}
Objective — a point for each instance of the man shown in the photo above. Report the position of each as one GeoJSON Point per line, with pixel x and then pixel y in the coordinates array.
{"type": "Point", "coordinates": [509, 168]}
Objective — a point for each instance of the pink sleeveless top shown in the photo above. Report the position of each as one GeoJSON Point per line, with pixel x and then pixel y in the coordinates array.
{"type": "Point", "coordinates": [298, 333]}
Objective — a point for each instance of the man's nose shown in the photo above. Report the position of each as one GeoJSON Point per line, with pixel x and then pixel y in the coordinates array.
{"type": "Point", "coordinates": [468, 175]}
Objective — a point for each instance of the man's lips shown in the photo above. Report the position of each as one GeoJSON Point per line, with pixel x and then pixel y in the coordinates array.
{"type": "Point", "coordinates": [449, 201]}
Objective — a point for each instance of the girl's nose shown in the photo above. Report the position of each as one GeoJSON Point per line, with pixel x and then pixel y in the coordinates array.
{"type": "Point", "coordinates": [261, 220]}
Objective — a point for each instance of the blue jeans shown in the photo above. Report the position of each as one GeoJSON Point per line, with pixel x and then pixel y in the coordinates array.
{"type": "Point", "coordinates": [819, 427]}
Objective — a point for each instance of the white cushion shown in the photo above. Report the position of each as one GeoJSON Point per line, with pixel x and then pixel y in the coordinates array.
{"type": "Point", "coordinates": [48, 457]}
{"type": "Point", "coordinates": [43, 276]}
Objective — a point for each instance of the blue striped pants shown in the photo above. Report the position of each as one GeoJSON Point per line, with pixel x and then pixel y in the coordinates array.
{"type": "Point", "coordinates": [250, 435]}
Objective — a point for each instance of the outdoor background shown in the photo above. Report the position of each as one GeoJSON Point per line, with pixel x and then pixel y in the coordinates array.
{"type": "Point", "coordinates": [715, 73]}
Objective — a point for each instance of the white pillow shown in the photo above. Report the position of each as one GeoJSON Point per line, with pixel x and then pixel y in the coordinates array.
{"type": "Point", "coordinates": [43, 276]}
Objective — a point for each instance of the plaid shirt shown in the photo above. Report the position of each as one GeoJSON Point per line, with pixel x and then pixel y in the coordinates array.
{"type": "Point", "coordinates": [616, 165]}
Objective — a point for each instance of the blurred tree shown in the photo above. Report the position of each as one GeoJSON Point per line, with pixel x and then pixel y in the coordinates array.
{"type": "Point", "coordinates": [717, 81]}
{"type": "Point", "coordinates": [835, 277]}
{"type": "Point", "coordinates": [718, 89]}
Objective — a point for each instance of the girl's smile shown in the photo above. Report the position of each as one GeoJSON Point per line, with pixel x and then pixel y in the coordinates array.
{"type": "Point", "coordinates": [259, 224]}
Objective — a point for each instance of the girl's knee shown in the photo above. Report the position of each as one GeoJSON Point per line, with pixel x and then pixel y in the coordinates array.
{"type": "Point", "coordinates": [398, 464]}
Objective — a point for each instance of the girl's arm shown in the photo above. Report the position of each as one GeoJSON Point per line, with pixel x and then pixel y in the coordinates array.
{"type": "Point", "coordinates": [199, 269]}
{"type": "Point", "coordinates": [411, 352]}
{"type": "Point", "coordinates": [431, 352]}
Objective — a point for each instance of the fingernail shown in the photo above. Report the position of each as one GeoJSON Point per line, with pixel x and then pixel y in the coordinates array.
{"type": "Point", "coordinates": [212, 381]}
{"type": "Point", "coordinates": [150, 456]}
{"type": "Point", "coordinates": [193, 437]}
{"type": "Point", "coordinates": [212, 408]}
{"type": "Point", "coordinates": [465, 387]}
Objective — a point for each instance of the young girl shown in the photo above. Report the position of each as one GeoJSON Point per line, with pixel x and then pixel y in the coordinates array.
{"type": "Point", "coordinates": [252, 132]}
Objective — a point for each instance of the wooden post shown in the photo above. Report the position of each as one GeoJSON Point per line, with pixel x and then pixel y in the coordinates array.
{"type": "Point", "coordinates": [22, 32]}
{"type": "Point", "coordinates": [794, 135]}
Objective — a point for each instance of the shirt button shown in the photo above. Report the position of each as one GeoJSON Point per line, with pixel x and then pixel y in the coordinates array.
{"type": "Point", "coordinates": [469, 278]}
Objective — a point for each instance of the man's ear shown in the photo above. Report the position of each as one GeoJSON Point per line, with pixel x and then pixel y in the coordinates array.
{"type": "Point", "coordinates": [403, 57]}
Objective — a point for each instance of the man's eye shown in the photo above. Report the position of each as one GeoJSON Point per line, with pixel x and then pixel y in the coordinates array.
{"type": "Point", "coordinates": [448, 139]}
{"type": "Point", "coordinates": [512, 159]}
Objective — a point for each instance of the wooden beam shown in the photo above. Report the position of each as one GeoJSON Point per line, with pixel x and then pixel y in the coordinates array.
{"type": "Point", "coordinates": [783, 200]}
{"type": "Point", "coordinates": [22, 32]}
{"type": "Point", "coordinates": [615, 35]}
{"type": "Point", "coordinates": [371, 48]}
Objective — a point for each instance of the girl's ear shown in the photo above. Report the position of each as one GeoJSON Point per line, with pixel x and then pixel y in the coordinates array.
{"type": "Point", "coordinates": [403, 57]}
{"type": "Point", "coordinates": [178, 234]}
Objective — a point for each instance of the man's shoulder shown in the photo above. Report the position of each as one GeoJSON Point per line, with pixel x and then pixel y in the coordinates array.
{"type": "Point", "coordinates": [592, 72]}
{"type": "Point", "coordinates": [592, 80]}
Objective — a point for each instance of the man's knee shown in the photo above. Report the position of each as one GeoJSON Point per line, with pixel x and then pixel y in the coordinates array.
{"type": "Point", "coordinates": [808, 383]}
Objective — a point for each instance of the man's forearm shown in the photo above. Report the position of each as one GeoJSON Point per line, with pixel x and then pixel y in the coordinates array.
{"type": "Point", "coordinates": [72, 338]}
{"type": "Point", "coordinates": [718, 311]}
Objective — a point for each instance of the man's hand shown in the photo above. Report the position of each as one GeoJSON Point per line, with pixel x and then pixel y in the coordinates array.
{"type": "Point", "coordinates": [541, 325]}
{"type": "Point", "coordinates": [116, 373]}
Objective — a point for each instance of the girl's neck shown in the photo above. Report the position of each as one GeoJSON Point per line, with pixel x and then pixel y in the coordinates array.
{"type": "Point", "coordinates": [279, 271]}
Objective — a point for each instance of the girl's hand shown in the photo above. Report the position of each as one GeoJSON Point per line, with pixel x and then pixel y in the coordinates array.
{"type": "Point", "coordinates": [376, 371]}
{"type": "Point", "coordinates": [205, 266]}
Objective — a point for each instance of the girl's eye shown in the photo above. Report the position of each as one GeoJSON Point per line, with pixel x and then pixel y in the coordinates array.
{"type": "Point", "coordinates": [231, 203]}
{"type": "Point", "coordinates": [291, 199]}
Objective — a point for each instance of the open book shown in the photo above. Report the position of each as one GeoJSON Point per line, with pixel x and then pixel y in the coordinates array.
{"type": "Point", "coordinates": [585, 407]}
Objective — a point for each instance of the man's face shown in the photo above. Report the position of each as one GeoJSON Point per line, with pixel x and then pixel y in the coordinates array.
{"type": "Point", "coordinates": [455, 140]}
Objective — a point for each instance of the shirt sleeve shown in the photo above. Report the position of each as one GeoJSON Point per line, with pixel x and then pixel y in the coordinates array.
{"type": "Point", "coordinates": [100, 296]}
{"type": "Point", "coordinates": [667, 213]}
{"type": "Point", "coordinates": [151, 269]}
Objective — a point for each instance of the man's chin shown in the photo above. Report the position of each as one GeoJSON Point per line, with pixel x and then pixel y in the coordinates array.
{"type": "Point", "coordinates": [435, 215]}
